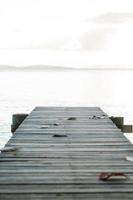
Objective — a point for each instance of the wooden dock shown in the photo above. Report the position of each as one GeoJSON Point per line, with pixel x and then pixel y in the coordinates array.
{"type": "Point", "coordinates": [60, 152]}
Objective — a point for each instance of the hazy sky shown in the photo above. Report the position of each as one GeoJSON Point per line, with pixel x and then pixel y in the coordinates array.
{"type": "Point", "coordinates": [66, 32]}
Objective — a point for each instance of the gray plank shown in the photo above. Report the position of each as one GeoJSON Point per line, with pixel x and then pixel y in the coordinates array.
{"type": "Point", "coordinates": [46, 167]}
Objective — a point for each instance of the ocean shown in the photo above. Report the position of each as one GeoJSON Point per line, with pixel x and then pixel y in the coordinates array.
{"type": "Point", "coordinates": [22, 90]}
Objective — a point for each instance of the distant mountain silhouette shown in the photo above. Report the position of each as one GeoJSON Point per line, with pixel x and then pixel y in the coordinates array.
{"type": "Point", "coordinates": [48, 67]}
{"type": "Point", "coordinates": [34, 67]}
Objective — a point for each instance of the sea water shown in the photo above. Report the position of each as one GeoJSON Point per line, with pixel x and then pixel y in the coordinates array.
{"type": "Point", "coordinates": [22, 90]}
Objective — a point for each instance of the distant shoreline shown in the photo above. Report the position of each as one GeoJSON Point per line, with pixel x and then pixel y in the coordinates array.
{"type": "Point", "coordinates": [56, 68]}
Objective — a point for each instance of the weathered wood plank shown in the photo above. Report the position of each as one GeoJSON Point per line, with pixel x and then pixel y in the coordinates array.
{"type": "Point", "coordinates": [62, 196]}
{"type": "Point", "coordinates": [48, 167]}
{"type": "Point", "coordinates": [84, 188]}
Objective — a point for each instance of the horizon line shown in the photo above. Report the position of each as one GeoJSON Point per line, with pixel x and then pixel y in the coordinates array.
{"type": "Point", "coordinates": [55, 67]}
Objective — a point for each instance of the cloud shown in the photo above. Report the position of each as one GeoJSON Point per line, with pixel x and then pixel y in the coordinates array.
{"type": "Point", "coordinates": [95, 39]}
{"type": "Point", "coordinates": [104, 27]}
{"type": "Point", "coordinates": [114, 18]}
{"type": "Point", "coordinates": [64, 35]}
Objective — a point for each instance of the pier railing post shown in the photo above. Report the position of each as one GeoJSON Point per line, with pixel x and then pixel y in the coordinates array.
{"type": "Point", "coordinates": [17, 119]}
{"type": "Point", "coordinates": [118, 121]}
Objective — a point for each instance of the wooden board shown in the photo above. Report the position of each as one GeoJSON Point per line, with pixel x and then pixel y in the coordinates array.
{"type": "Point", "coordinates": [60, 153]}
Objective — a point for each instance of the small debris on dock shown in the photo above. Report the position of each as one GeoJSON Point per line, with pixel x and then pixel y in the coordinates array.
{"type": "Point", "coordinates": [56, 124]}
{"type": "Point", "coordinates": [105, 176]}
{"type": "Point", "coordinates": [8, 149]}
{"type": "Point", "coordinates": [59, 135]}
{"type": "Point", "coordinates": [43, 127]}
{"type": "Point", "coordinates": [97, 117]}
{"type": "Point", "coordinates": [72, 118]}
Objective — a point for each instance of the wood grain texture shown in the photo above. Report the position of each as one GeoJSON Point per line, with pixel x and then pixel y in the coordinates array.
{"type": "Point", "coordinates": [66, 168]}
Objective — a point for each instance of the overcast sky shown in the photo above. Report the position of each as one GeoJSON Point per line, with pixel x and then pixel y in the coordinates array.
{"type": "Point", "coordinates": [66, 32]}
